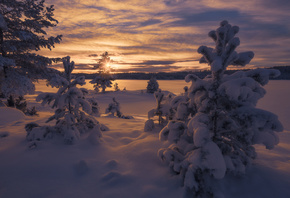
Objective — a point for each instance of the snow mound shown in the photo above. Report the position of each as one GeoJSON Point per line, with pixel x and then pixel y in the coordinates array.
{"type": "Point", "coordinates": [10, 115]}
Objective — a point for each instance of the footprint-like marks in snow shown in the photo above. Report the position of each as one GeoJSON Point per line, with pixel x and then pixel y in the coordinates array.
{"type": "Point", "coordinates": [114, 178]}
{"type": "Point", "coordinates": [81, 168]}
{"type": "Point", "coordinates": [4, 134]}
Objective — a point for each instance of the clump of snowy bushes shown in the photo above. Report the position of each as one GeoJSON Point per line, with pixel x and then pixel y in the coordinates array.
{"type": "Point", "coordinates": [72, 110]}
{"type": "Point", "coordinates": [21, 104]}
{"type": "Point", "coordinates": [217, 124]}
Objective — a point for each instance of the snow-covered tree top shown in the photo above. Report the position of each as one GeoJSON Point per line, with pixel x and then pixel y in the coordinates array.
{"type": "Point", "coordinates": [68, 67]}
{"type": "Point", "coordinates": [224, 54]}
{"type": "Point", "coordinates": [104, 63]}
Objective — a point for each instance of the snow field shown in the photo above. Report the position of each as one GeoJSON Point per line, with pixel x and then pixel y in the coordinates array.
{"type": "Point", "coordinates": [125, 163]}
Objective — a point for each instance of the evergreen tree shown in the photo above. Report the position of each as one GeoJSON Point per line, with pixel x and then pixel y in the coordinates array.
{"type": "Point", "coordinates": [223, 123]}
{"type": "Point", "coordinates": [103, 79]}
{"type": "Point", "coordinates": [152, 85]}
{"type": "Point", "coordinates": [95, 107]}
{"type": "Point", "coordinates": [71, 121]}
{"type": "Point", "coordinates": [114, 107]}
{"type": "Point", "coordinates": [23, 26]}
{"type": "Point", "coordinates": [163, 111]}
{"type": "Point", "coordinates": [116, 87]}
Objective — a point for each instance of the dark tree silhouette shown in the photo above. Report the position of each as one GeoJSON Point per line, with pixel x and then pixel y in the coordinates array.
{"type": "Point", "coordinates": [152, 85]}
{"type": "Point", "coordinates": [23, 25]}
{"type": "Point", "coordinates": [103, 78]}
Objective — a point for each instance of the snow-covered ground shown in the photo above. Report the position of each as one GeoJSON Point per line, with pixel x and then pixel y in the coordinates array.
{"type": "Point", "coordinates": [125, 163]}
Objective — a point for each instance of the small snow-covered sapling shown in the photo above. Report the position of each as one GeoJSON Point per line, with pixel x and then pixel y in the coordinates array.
{"type": "Point", "coordinates": [72, 109]}
{"type": "Point", "coordinates": [152, 85]}
{"type": "Point", "coordinates": [103, 78]}
{"type": "Point", "coordinates": [116, 87]}
{"type": "Point", "coordinates": [114, 107]}
{"type": "Point", "coordinates": [163, 111]}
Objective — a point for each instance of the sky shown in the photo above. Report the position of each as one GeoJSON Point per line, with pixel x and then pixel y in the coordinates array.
{"type": "Point", "coordinates": [164, 35]}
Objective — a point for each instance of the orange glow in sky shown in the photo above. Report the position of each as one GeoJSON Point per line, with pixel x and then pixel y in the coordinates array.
{"type": "Point", "coordinates": [163, 35]}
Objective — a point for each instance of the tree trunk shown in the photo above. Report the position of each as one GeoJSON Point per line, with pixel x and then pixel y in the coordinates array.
{"type": "Point", "coordinates": [10, 101]}
{"type": "Point", "coordinates": [3, 53]}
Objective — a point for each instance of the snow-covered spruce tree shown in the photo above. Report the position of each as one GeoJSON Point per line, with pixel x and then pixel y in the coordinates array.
{"type": "Point", "coordinates": [95, 107]}
{"type": "Point", "coordinates": [224, 125]}
{"type": "Point", "coordinates": [116, 87]}
{"type": "Point", "coordinates": [168, 108]}
{"type": "Point", "coordinates": [22, 32]}
{"type": "Point", "coordinates": [152, 85]}
{"type": "Point", "coordinates": [71, 121]}
{"type": "Point", "coordinates": [114, 107]}
{"type": "Point", "coordinates": [103, 78]}
{"type": "Point", "coordinates": [4, 61]}
{"type": "Point", "coordinates": [163, 111]}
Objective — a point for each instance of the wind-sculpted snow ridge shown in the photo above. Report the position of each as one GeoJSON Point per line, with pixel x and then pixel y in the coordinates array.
{"type": "Point", "coordinates": [71, 112]}
{"type": "Point", "coordinates": [222, 123]}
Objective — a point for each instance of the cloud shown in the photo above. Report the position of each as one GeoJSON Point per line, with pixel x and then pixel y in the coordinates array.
{"type": "Point", "coordinates": [280, 5]}
{"type": "Point", "coordinates": [188, 19]}
{"type": "Point", "coordinates": [150, 22]}
{"type": "Point", "coordinates": [268, 30]}
{"type": "Point", "coordinates": [93, 55]}
{"type": "Point", "coordinates": [139, 36]}
{"type": "Point", "coordinates": [154, 62]}
{"type": "Point", "coordinates": [77, 66]}
{"type": "Point", "coordinates": [98, 8]}
{"type": "Point", "coordinates": [150, 69]}
{"type": "Point", "coordinates": [174, 2]}
{"type": "Point", "coordinates": [181, 39]}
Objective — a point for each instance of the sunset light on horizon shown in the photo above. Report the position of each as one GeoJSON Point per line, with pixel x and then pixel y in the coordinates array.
{"type": "Point", "coordinates": [163, 36]}
{"type": "Point", "coordinates": [144, 98]}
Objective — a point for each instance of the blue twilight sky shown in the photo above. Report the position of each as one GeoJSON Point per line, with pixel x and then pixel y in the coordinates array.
{"type": "Point", "coordinates": [163, 35]}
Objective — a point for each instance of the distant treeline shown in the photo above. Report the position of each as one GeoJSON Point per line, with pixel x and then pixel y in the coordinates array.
{"type": "Point", "coordinates": [285, 74]}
